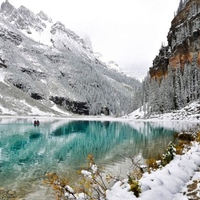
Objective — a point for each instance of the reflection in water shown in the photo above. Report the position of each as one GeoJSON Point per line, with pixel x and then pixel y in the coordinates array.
{"type": "Point", "coordinates": [28, 152]}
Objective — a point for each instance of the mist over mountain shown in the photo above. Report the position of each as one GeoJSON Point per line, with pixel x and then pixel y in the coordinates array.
{"type": "Point", "coordinates": [47, 69]}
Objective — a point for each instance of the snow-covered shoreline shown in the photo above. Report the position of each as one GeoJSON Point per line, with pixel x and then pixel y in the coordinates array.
{"type": "Point", "coordinates": [168, 183]}
{"type": "Point", "coordinates": [189, 113]}
{"type": "Point", "coordinates": [96, 118]}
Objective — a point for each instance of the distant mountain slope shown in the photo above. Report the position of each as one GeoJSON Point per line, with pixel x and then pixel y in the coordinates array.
{"type": "Point", "coordinates": [53, 71]}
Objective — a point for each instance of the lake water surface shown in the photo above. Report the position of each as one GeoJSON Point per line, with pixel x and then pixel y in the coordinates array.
{"type": "Point", "coordinates": [27, 153]}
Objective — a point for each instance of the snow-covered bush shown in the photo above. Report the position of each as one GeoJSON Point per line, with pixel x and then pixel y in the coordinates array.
{"type": "Point", "coordinates": [91, 184]}
{"type": "Point", "coordinates": [134, 185]}
{"type": "Point", "coordinates": [169, 155]}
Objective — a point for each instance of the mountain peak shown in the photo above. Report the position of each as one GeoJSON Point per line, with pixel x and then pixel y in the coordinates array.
{"type": "Point", "coordinates": [25, 12]}
{"type": "Point", "coordinates": [58, 26]}
{"type": "Point", "coordinates": [7, 8]}
{"type": "Point", "coordinates": [44, 16]}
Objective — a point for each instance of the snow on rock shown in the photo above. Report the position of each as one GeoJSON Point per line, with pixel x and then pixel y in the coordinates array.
{"type": "Point", "coordinates": [86, 173]}
{"type": "Point", "coordinates": [166, 183]}
{"type": "Point", "coordinates": [6, 111]}
{"type": "Point", "coordinates": [94, 168]}
{"type": "Point", "coordinates": [2, 75]}
{"type": "Point", "coordinates": [110, 64]}
{"type": "Point", "coordinates": [120, 191]}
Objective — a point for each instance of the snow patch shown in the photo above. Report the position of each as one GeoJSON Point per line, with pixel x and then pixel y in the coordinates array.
{"type": "Point", "coordinates": [2, 75]}
{"type": "Point", "coordinates": [5, 111]}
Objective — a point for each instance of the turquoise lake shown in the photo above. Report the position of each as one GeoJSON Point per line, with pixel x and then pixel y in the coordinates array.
{"type": "Point", "coordinates": [27, 153]}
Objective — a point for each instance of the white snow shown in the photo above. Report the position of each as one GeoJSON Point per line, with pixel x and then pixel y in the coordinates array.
{"type": "Point", "coordinates": [6, 111]}
{"type": "Point", "coordinates": [55, 107]}
{"type": "Point", "coordinates": [36, 111]}
{"type": "Point", "coordinates": [86, 173]}
{"type": "Point", "coordinates": [43, 37]}
{"type": "Point", "coordinates": [94, 168]}
{"type": "Point", "coordinates": [2, 75]}
{"type": "Point", "coordinates": [70, 192]}
{"type": "Point", "coordinates": [189, 113]}
{"type": "Point", "coordinates": [166, 183]}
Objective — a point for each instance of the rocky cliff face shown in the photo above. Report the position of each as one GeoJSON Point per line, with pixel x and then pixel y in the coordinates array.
{"type": "Point", "coordinates": [22, 18]}
{"type": "Point", "coordinates": [47, 68]}
{"type": "Point", "coordinates": [183, 40]}
{"type": "Point", "coordinates": [184, 34]}
{"type": "Point", "coordinates": [174, 78]}
{"type": "Point", "coordinates": [160, 63]}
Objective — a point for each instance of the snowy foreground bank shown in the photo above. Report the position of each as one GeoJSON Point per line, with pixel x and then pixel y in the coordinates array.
{"type": "Point", "coordinates": [168, 183]}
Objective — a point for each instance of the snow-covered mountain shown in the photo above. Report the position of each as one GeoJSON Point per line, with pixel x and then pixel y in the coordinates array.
{"type": "Point", "coordinates": [47, 69]}
{"type": "Point", "coordinates": [110, 64]}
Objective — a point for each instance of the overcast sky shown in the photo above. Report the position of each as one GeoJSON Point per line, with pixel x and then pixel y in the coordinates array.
{"type": "Point", "coordinates": [129, 32]}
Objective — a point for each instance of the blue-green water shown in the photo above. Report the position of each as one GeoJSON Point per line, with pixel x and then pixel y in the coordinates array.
{"type": "Point", "coordinates": [27, 153]}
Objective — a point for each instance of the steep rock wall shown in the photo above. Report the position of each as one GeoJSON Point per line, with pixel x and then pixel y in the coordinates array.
{"type": "Point", "coordinates": [183, 40]}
